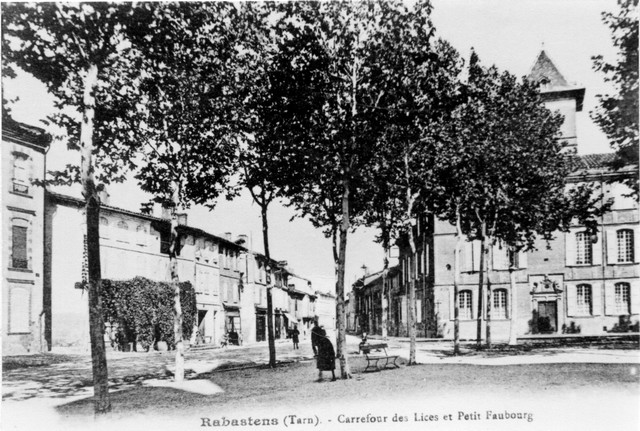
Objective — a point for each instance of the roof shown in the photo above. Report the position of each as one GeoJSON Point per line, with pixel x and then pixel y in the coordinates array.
{"type": "Point", "coordinates": [553, 83]}
{"type": "Point", "coordinates": [80, 203]}
{"type": "Point", "coordinates": [193, 230]}
{"type": "Point", "coordinates": [594, 161]}
{"type": "Point", "coordinates": [31, 136]}
{"type": "Point", "coordinates": [544, 70]}
{"type": "Point", "coordinates": [597, 165]}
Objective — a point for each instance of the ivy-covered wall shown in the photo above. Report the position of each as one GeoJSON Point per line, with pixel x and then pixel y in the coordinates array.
{"type": "Point", "coordinates": [140, 310]}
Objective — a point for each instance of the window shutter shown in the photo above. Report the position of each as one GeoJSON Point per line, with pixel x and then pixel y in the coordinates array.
{"type": "Point", "coordinates": [500, 257]}
{"type": "Point", "coordinates": [612, 247]}
{"type": "Point", "coordinates": [474, 303]}
{"type": "Point", "coordinates": [19, 313]}
{"type": "Point", "coordinates": [596, 251]}
{"type": "Point", "coordinates": [596, 299]}
{"type": "Point", "coordinates": [476, 255]}
{"type": "Point", "coordinates": [466, 257]}
{"type": "Point", "coordinates": [19, 247]}
{"type": "Point", "coordinates": [609, 299]}
{"type": "Point", "coordinates": [636, 247]}
{"type": "Point", "coordinates": [522, 259]}
{"type": "Point", "coordinates": [570, 247]}
{"type": "Point", "coordinates": [571, 299]}
{"type": "Point", "coordinates": [403, 308]}
{"type": "Point", "coordinates": [635, 296]}
{"type": "Point", "coordinates": [451, 304]}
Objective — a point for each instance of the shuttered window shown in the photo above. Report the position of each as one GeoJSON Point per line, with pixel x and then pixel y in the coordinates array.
{"type": "Point", "coordinates": [499, 306]}
{"type": "Point", "coordinates": [623, 298]}
{"type": "Point", "coordinates": [625, 245]}
{"type": "Point", "coordinates": [584, 252]}
{"type": "Point", "coordinates": [465, 305]}
{"type": "Point", "coordinates": [19, 247]}
{"type": "Point", "coordinates": [583, 299]}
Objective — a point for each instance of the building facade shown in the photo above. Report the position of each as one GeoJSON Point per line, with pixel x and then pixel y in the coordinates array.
{"type": "Point", "coordinates": [576, 283]}
{"type": "Point", "coordinates": [230, 280]}
{"type": "Point", "coordinates": [23, 162]}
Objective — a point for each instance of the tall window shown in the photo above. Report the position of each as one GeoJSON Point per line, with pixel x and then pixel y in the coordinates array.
{"type": "Point", "coordinates": [464, 301]}
{"type": "Point", "coordinates": [141, 235]}
{"type": "Point", "coordinates": [104, 227]}
{"type": "Point", "coordinates": [584, 299]}
{"type": "Point", "coordinates": [123, 234]}
{"type": "Point", "coordinates": [20, 173]}
{"type": "Point", "coordinates": [625, 245]}
{"type": "Point", "coordinates": [514, 258]}
{"type": "Point", "coordinates": [583, 249]}
{"type": "Point", "coordinates": [623, 298]}
{"type": "Point", "coordinates": [19, 258]}
{"type": "Point", "coordinates": [499, 304]}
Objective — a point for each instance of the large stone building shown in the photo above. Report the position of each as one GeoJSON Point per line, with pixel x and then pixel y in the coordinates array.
{"type": "Point", "coordinates": [576, 283]}
{"type": "Point", "coordinates": [23, 160]}
{"type": "Point", "coordinates": [230, 280]}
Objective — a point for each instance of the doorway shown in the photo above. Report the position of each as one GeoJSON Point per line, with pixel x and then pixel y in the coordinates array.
{"type": "Point", "coordinates": [261, 326]}
{"type": "Point", "coordinates": [547, 317]}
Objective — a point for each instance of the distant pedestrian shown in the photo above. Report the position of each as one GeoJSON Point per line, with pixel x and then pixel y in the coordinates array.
{"type": "Point", "coordinates": [316, 333]}
{"type": "Point", "coordinates": [326, 359]}
{"type": "Point", "coordinates": [295, 336]}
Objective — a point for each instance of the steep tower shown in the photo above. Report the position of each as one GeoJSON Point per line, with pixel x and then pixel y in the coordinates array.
{"type": "Point", "coordinates": [559, 95]}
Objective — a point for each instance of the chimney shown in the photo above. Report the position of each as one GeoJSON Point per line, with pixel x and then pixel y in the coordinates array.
{"type": "Point", "coordinates": [146, 208]}
{"type": "Point", "coordinates": [104, 197]}
{"type": "Point", "coordinates": [242, 239]}
{"type": "Point", "coordinates": [227, 236]}
{"type": "Point", "coordinates": [182, 219]}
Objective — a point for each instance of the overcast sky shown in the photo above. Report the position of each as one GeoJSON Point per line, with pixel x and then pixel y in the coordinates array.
{"type": "Point", "coordinates": [507, 33]}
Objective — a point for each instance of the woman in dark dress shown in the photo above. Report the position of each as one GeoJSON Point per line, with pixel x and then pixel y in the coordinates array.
{"type": "Point", "coordinates": [295, 336]}
{"type": "Point", "coordinates": [326, 360]}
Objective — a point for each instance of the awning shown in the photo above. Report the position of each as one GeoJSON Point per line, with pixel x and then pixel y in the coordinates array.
{"type": "Point", "coordinates": [260, 309]}
{"type": "Point", "coordinates": [287, 315]}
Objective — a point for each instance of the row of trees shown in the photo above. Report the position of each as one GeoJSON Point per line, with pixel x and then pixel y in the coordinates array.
{"type": "Point", "coordinates": [355, 113]}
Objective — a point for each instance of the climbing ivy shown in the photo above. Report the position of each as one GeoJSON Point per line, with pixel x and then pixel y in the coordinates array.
{"type": "Point", "coordinates": [140, 310]}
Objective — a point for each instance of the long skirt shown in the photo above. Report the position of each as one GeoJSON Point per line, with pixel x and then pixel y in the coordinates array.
{"type": "Point", "coordinates": [326, 360]}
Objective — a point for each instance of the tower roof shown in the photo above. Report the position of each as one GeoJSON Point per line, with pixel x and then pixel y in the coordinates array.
{"type": "Point", "coordinates": [547, 73]}
{"type": "Point", "coordinates": [553, 84]}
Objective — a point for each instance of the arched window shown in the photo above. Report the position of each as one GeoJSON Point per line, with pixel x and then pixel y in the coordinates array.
{"type": "Point", "coordinates": [499, 304]}
{"type": "Point", "coordinates": [465, 305]}
{"type": "Point", "coordinates": [584, 299]}
{"type": "Point", "coordinates": [123, 225]}
{"type": "Point", "coordinates": [104, 221]}
{"type": "Point", "coordinates": [625, 245]}
{"type": "Point", "coordinates": [584, 251]}
{"type": "Point", "coordinates": [623, 298]}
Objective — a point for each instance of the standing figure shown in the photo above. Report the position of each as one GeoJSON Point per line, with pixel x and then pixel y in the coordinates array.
{"type": "Point", "coordinates": [295, 334]}
{"type": "Point", "coordinates": [316, 333]}
{"type": "Point", "coordinates": [326, 359]}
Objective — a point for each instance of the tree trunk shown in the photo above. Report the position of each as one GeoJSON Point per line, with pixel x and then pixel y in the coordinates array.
{"type": "Point", "coordinates": [267, 254]}
{"type": "Point", "coordinates": [489, 308]}
{"type": "Point", "coordinates": [456, 283]}
{"type": "Point", "coordinates": [480, 284]}
{"type": "Point", "coordinates": [412, 299]}
{"type": "Point", "coordinates": [383, 296]}
{"type": "Point", "coordinates": [102, 403]}
{"type": "Point", "coordinates": [513, 301]}
{"type": "Point", "coordinates": [341, 339]}
{"type": "Point", "coordinates": [175, 280]}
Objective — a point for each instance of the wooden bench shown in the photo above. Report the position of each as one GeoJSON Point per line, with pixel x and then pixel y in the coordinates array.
{"type": "Point", "coordinates": [377, 358]}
